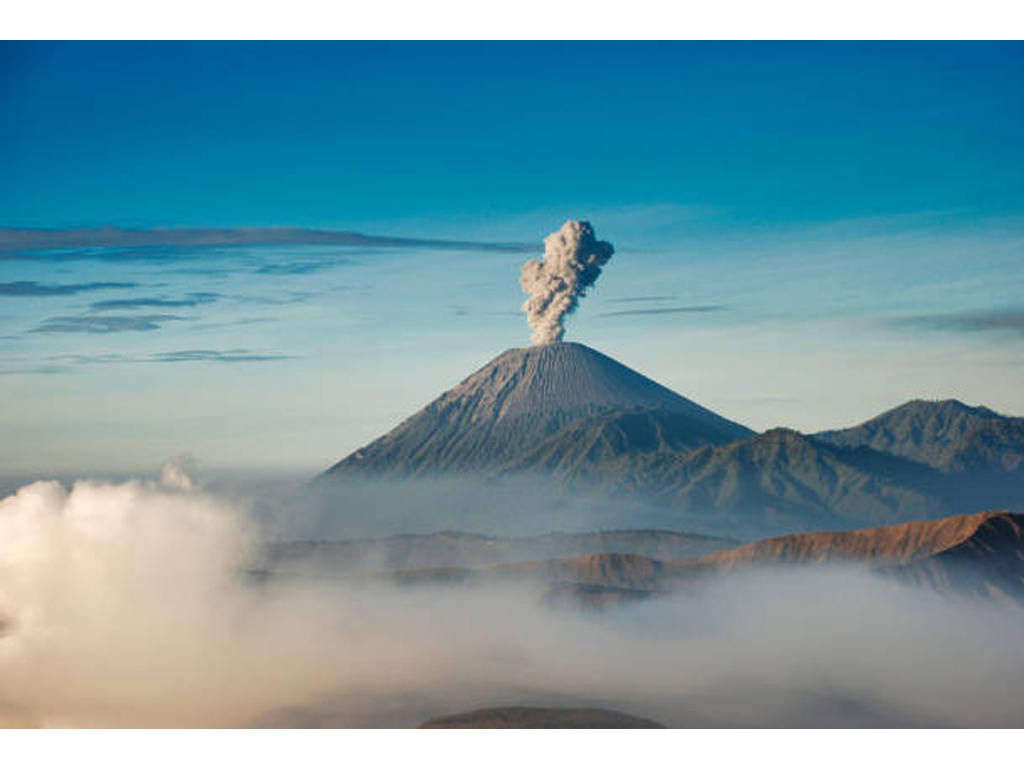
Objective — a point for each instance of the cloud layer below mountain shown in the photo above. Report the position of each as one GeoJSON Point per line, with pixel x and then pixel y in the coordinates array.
{"type": "Point", "coordinates": [130, 604]}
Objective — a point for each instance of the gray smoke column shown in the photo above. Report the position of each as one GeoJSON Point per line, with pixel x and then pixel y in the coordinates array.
{"type": "Point", "coordinates": [572, 262]}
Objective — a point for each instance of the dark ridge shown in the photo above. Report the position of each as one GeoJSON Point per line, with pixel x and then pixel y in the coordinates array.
{"type": "Point", "coordinates": [537, 717]}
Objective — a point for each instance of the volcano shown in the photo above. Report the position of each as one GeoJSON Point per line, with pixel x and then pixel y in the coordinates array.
{"type": "Point", "coordinates": [567, 417]}
{"type": "Point", "coordinates": [530, 407]}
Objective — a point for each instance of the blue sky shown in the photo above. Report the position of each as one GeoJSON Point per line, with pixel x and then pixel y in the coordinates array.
{"type": "Point", "coordinates": [806, 233]}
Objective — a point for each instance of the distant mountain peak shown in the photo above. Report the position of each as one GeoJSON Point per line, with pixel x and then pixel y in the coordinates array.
{"type": "Point", "coordinates": [783, 434]}
{"type": "Point", "coordinates": [933, 432]}
{"type": "Point", "coordinates": [947, 406]}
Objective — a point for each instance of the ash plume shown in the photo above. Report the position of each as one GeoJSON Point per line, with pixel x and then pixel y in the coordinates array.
{"type": "Point", "coordinates": [572, 262]}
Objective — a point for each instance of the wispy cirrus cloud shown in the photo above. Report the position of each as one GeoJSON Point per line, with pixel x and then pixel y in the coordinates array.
{"type": "Point", "coordinates": [216, 356]}
{"type": "Point", "coordinates": [994, 320]}
{"type": "Point", "coordinates": [291, 297]}
{"type": "Point", "coordinates": [640, 299]}
{"type": "Point", "coordinates": [192, 300]}
{"type": "Point", "coordinates": [700, 309]}
{"type": "Point", "coordinates": [176, 356]}
{"type": "Point", "coordinates": [31, 288]}
{"type": "Point", "coordinates": [305, 267]}
{"type": "Point", "coordinates": [164, 242]}
{"type": "Point", "coordinates": [103, 323]}
{"type": "Point", "coordinates": [235, 323]}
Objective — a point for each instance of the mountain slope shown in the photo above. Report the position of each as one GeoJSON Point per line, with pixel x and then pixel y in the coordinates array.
{"type": "Point", "coordinates": [997, 446]}
{"type": "Point", "coordinates": [887, 545]}
{"type": "Point", "coordinates": [945, 434]}
{"type": "Point", "coordinates": [781, 478]}
{"type": "Point", "coordinates": [520, 399]}
{"type": "Point", "coordinates": [988, 562]}
{"type": "Point", "coordinates": [979, 554]}
{"type": "Point", "coordinates": [591, 440]}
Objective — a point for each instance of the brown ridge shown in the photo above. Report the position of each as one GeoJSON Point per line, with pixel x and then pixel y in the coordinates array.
{"type": "Point", "coordinates": [929, 552]}
{"type": "Point", "coordinates": [893, 544]}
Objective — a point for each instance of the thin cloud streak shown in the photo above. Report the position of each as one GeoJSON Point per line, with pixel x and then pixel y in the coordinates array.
{"type": "Point", "coordinates": [30, 288]}
{"type": "Point", "coordinates": [103, 323]}
{"type": "Point", "coordinates": [214, 356]}
{"type": "Point", "coordinates": [234, 323]}
{"type": "Point", "coordinates": [177, 356]}
{"type": "Point", "coordinates": [640, 299]}
{"type": "Point", "coordinates": [1000, 320]}
{"type": "Point", "coordinates": [302, 267]}
{"type": "Point", "coordinates": [193, 300]}
{"type": "Point", "coordinates": [75, 243]}
{"type": "Point", "coordinates": [703, 309]}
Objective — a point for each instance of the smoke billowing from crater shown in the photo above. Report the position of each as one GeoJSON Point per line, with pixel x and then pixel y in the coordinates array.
{"type": "Point", "coordinates": [572, 262]}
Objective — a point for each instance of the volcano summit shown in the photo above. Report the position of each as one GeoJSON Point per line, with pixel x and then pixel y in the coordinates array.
{"type": "Point", "coordinates": [519, 402]}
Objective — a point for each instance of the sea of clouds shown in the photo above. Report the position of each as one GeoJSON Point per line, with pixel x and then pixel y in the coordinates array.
{"type": "Point", "coordinates": [140, 603]}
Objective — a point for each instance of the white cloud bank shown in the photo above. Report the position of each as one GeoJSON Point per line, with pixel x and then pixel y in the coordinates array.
{"type": "Point", "coordinates": [130, 605]}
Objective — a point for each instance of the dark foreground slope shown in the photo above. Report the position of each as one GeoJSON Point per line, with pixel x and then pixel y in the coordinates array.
{"type": "Point", "coordinates": [537, 717]}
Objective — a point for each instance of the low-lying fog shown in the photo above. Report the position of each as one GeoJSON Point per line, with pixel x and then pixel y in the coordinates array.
{"type": "Point", "coordinates": [130, 604]}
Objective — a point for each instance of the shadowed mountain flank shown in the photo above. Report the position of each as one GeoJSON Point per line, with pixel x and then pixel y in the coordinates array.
{"type": "Point", "coordinates": [780, 478]}
{"type": "Point", "coordinates": [974, 554]}
{"type": "Point", "coordinates": [537, 717]}
{"type": "Point", "coordinates": [989, 562]}
{"type": "Point", "coordinates": [979, 554]}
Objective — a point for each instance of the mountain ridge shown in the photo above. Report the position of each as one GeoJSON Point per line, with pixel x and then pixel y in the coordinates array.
{"type": "Point", "coordinates": [980, 554]}
{"type": "Point", "coordinates": [939, 433]}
